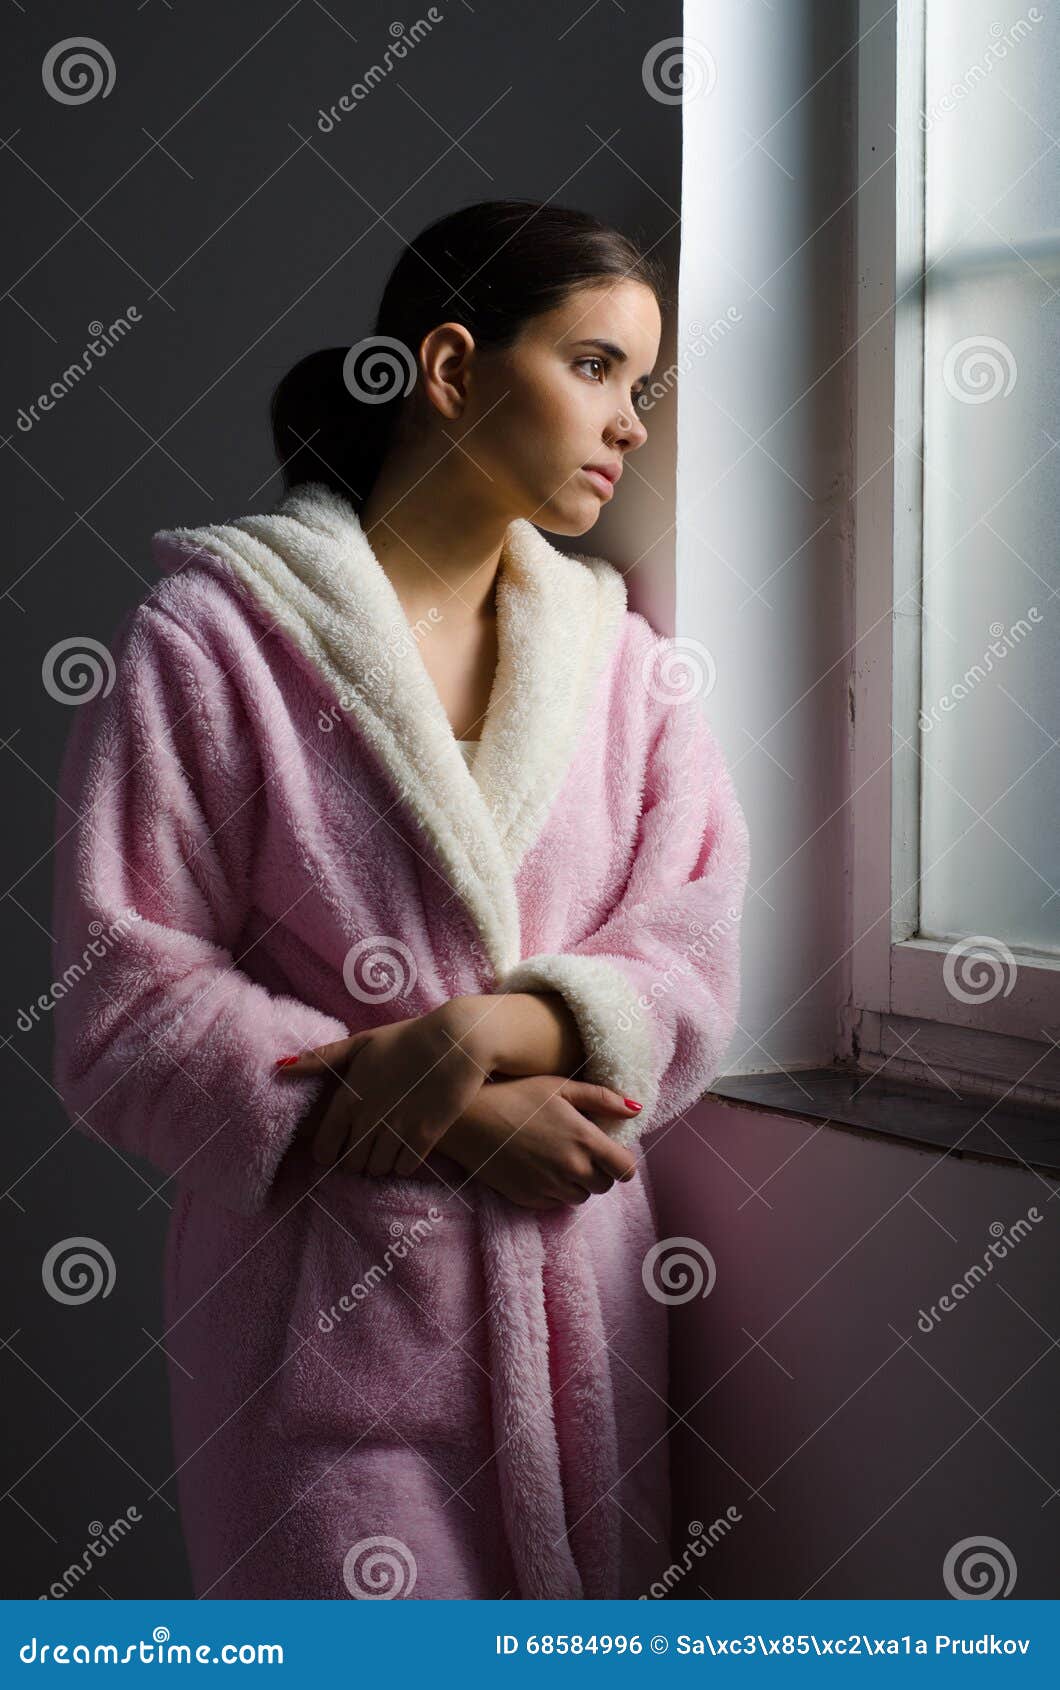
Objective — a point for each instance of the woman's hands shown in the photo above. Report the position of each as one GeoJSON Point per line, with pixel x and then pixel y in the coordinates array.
{"type": "Point", "coordinates": [530, 1139]}
{"type": "Point", "coordinates": [396, 1092]}
{"type": "Point", "coordinates": [396, 1089]}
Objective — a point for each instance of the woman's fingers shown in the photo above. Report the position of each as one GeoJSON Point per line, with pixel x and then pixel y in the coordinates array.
{"type": "Point", "coordinates": [359, 1144]}
{"type": "Point", "coordinates": [593, 1099]}
{"type": "Point", "coordinates": [322, 1059]}
{"type": "Point", "coordinates": [600, 1178]}
{"type": "Point", "coordinates": [617, 1161]}
{"type": "Point", "coordinates": [385, 1150]}
{"type": "Point", "coordinates": [340, 1130]}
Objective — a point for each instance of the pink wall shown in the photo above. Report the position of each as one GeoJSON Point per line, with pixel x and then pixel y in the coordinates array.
{"type": "Point", "coordinates": [866, 1453]}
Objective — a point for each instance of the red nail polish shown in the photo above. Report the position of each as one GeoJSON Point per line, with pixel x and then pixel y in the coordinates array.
{"type": "Point", "coordinates": [285, 1061]}
{"type": "Point", "coordinates": [630, 1104]}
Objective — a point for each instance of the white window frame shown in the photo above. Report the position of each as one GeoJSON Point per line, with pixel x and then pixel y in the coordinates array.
{"type": "Point", "coordinates": [901, 1006]}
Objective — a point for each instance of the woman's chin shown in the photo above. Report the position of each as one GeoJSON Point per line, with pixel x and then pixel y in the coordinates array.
{"type": "Point", "coordinates": [573, 516]}
{"type": "Point", "coordinates": [590, 516]}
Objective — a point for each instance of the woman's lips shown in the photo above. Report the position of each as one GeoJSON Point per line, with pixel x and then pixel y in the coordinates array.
{"type": "Point", "coordinates": [602, 483]}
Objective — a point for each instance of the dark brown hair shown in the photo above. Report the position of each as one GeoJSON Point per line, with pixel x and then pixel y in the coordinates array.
{"type": "Point", "coordinates": [491, 266]}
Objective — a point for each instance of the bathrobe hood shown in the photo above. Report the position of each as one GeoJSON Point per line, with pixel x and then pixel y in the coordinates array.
{"type": "Point", "coordinates": [310, 572]}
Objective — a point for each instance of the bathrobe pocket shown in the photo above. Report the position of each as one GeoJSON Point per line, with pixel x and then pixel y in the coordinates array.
{"type": "Point", "coordinates": [387, 1340]}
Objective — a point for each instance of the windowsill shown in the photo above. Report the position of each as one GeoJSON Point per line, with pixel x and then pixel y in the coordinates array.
{"type": "Point", "coordinates": [932, 1117]}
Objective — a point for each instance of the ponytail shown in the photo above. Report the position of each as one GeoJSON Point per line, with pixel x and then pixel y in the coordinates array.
{"type": "Point", "coordinates": [322, 431]}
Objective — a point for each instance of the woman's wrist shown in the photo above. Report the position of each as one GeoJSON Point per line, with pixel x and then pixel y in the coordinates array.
{"type": "Point", "coordinates": [517, 1033]}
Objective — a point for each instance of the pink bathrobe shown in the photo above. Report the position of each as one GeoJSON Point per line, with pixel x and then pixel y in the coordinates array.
{"type": "Point", "coordinates": [269, 839]}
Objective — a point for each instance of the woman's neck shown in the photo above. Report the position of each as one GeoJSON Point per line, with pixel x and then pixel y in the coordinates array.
{"type": "Point", "coordinates": [433, 540]}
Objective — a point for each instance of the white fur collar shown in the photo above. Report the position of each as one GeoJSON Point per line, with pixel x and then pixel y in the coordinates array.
{"type": "Point", "coordinates": [309, 567]}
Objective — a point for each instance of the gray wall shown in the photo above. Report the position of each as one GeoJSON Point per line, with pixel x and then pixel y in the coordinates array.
{"type": "Point", "coordinates": [244, 237]}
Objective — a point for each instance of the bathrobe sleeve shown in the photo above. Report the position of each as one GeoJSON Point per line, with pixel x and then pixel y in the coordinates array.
{"type": "Point", "coordinates": [164, 1046]}
{"type": "Point", "coordinates": [655, 990]}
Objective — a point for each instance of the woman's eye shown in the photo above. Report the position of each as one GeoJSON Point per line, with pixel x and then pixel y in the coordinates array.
{"type": "Point", "coordinates": [594, 360]}
{"type": "Point", "coordinates": [638, 398]}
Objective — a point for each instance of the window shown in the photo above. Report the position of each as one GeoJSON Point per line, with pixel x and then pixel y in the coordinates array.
{"type": "Point", "coordinates": [956, 816]}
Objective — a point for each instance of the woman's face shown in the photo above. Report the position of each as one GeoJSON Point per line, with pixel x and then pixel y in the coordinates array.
{"type": "Point", "coordinates": [558, 399]}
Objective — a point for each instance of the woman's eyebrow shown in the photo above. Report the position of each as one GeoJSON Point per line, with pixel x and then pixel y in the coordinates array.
{"type": "Point", "coordinates": [613, 351]}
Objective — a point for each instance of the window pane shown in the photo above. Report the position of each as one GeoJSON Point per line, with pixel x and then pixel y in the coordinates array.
{"type": "Point", "coordinates": [990, 702]}
{"type": "Point", "coordinates": [991, 110]}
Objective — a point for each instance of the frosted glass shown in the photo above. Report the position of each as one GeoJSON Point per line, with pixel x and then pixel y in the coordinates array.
{"type": "Point", "coordinates": [990, 710]}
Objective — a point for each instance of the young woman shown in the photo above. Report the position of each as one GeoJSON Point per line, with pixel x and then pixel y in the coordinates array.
{"type": "Point", "coordinates": [420, 890]}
